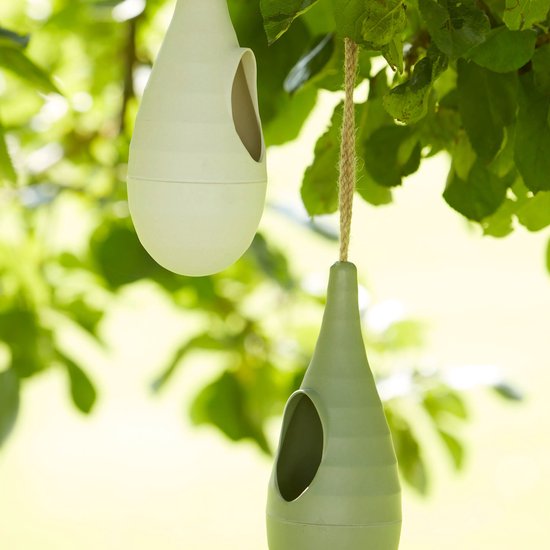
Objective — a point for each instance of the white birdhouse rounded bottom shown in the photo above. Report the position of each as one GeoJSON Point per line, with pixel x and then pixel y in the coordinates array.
{"type": "Point", "coordinates": [300, 536]}
{"type": "Point", "coordinates": [195, 229]}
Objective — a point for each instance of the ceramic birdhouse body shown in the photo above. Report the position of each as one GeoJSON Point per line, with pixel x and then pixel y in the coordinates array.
{"type": "Point", "coordinates": [197, 173]}
{"type": "Point", "coordinates": [335, 483]}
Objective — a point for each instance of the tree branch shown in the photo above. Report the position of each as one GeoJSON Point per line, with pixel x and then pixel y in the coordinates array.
{"type": "Point", "coordinates": [130, 58]}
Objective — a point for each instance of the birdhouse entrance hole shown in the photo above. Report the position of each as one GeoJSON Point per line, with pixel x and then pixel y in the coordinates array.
{"type": "Point", "coordinates": [301, 447]}
{"type": "Point", "coordinates": [245, 115]}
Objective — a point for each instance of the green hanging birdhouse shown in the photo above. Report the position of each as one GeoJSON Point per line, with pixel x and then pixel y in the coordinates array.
{"type": "Point", "coordinates": [335, 483]}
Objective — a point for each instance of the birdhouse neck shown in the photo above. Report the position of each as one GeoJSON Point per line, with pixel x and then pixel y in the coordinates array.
{"type": "Point", "coordinates": [208, 21]}
{"type": "Point", "coordinates": [341, 326]}
{"type": "Point", "coordinates": [342, 294]}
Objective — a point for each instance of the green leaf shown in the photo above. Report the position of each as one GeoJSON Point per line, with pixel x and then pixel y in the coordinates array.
{"type": "Point", "coordinates": [534, 214]}
{"type": "Point", "coordinates": [204, 342]}
{"type": "Point", "coordinates": [372, 115]}
{"type": "Point", "coordinates": [289, 121]}
{"type": "Point", "coordinates": [479, 195]}
{"type": "Point", "coordinates": [320, 184]}
{"type": "Point", "coordinates": [454, 446]}
{"type": "Point", "coordinates": [223, 403]}
{"type": "Point", "coordinates": [12, 39]}
{"type": "Point", "coordinates": [391, 153]}
{"type": "Point", "coordinates": [371, 192]}
{"type": "Point", "coordinates": [393, 53]}
{"type": "Point", "coordinates": [440, 130]}
{"type": "Point", "coordinates": [9, 402]}
{"type": "Point", "coordinates": [271, 262]}
{"type": "Point", "coordinates": [523, 14]}
{"type": "Point", "coordinates": [501, 223]}
{"type": "Point", "coordinates": [83, 392]}
{"type": "Point", "coordinates": [30, 344]}
{"type": "Point", "coordinates": [122, 269]}
{"type": "Point", "coordinates": [441, 403]}
{"type": "Point", "coordinates": [103, 3]}
{"type": "Point", "coordinates": [533, 136]}
{"type": "Point", "coordinates": [409, 456]}
{"type": "Point", "coordinates": [541, 69]}
{"type": "Point", "coordinates": [207, 341]}
{"type": "Point", "coordinates": [84, 313]}
{"type": "Point", "coordinates": [504, 162]}
{"type": "Point", "coordinates": [504, 50]}
{"type": "Point", "coordinates": [374, 24]}
{"type": "Point", "coordinates": [167, 374]}
{"type": "Point", "coordinates": [19, 64]}
{"type": "Point", "coordinates": [279, 14]}
{"type": "Point", "coordinates": [463, 155]}
{"type": "Point", "coordinates": [7, 170]}
{"type": "Point", "coordinates": [331, 76]}
{"type": "Point", "coordinates": [487, 102]}
{"type": "Point", "coordinates": [509, 392]}
{"type": "Point", "coordinates": [320, 18]}
{"type": "Point", "coordinates": [408, 102]}
{"type": "Point", "coordinates": [311, 63]}
{"type": "Point", "coordinates": [456, 26]}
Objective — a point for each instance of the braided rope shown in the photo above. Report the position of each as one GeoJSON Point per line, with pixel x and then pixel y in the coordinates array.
{"type": "Point", "coordinates": [347, 151]}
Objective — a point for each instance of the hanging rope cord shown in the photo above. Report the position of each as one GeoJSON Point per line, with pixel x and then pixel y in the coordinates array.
{"type": "Point", "coordinates": [348, 159]}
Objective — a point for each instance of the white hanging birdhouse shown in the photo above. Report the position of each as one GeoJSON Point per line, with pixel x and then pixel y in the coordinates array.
{"type": "Point", "coordinates": [197, 172]}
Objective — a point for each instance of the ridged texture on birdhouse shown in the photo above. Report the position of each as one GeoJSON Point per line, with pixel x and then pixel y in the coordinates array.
{"type": "Point", "coordinates": [335, 483]}
{"type": "Point", "coordinates": [197, 174]}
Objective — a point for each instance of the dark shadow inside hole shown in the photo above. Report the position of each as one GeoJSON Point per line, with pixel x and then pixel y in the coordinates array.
{"type": "Point", "coordinates": [245, 117]}
{"type": "Point", "coordinates": [301, 448]}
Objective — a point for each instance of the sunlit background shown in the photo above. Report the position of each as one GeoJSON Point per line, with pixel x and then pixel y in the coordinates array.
{"type": "Point", "coordinates": [470, 311]}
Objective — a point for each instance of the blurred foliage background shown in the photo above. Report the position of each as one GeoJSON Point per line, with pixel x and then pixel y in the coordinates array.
{"type": "Point", "coordinates": [71, 76]}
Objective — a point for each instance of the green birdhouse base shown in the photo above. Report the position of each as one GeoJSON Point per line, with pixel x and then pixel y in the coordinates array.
{"type": "Point", "coordinates": [335, 483]}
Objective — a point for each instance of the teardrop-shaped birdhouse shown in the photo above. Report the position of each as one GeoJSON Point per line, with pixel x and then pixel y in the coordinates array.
{"type": "Point", "coordinates": [335, 483]}
{"type": "Point", "coordinates": [197, 172]}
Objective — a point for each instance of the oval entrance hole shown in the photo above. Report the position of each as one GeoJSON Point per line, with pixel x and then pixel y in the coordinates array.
{"type": "Point", "coordinates": [245, 117]}
{"type": "Point", "coordinates": [301, 448]}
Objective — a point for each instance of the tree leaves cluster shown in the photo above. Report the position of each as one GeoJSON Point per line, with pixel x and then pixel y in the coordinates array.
{"type": "Point", "coordinates": [465, 77]}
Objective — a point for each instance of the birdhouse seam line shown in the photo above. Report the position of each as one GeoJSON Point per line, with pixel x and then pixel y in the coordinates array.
{"type": "Point", "coordinates": [196, 182]}
{"type": "Point", "coordinates": [358, 525]}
